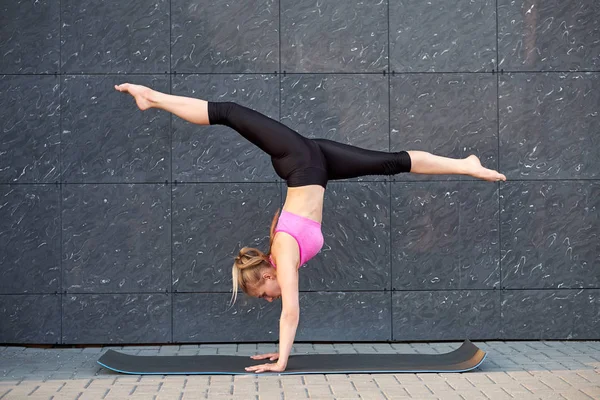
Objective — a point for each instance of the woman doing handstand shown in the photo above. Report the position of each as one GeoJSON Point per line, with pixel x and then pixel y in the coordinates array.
{"type": "Point", "coordinates": [306, 165]}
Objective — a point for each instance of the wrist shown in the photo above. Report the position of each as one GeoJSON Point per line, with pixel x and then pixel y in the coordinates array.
{"type": "Point", "coordinates": [282, 363]}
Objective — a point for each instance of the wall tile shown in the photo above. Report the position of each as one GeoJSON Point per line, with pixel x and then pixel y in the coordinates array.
{"type": "Point", "coordinates": [211, 224]}
{"type": "Point", "coordinates": [446, 315]}
{"type": "Point", "coordinates": [30, 135]}
{"type": "Point", "coordinates": [550, 234]}
{"type": "Point", "coordinates": [449, 115]}
{"type": "Point", "coordinates": [29, 239]}
{"type": "Point", "coordinates": [106, 138]}
{"type": "Point", "coordinates": [344, 316]}
{"type": "Point", "coordinates": [211, 37]}
{"type": "Point", "coordinates": [115, 37]}
{"type": "Point", "coordinates": [425, 236]}
{"type": "Point", "coordinates": [539, 314]}
{"type": "Point", "coordinates": [586, 314]}
{"type": "Point", "coordinates": [116, 318]}
{"type": "Point", "coordinates": [440, 36]}
{"type": "Point", "coordinates": [548, 35]}
{"type": "Point", "coordinates": [548, 126]}
{"type": "Point", "coordinates": [31, 319]}
{"type": "Point", "coordinates": [30, 37]}
{"type": "Point", "coordinates": [479, 249]}
{"type": "Point", "coordinates": [116, 238]}
{"type": "Point", "coordinates": [207, 317]}
{"type": "Point", "coordinates": [445, 235]}
{"type": "Point", "coordinates": [332, 36]}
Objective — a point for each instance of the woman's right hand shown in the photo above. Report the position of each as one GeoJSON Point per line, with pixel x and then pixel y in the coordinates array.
{"type": "Point", "coordinates": [270, 356]}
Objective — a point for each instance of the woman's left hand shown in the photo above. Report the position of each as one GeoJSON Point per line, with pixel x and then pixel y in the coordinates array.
{"type": "Point", "coordinates": [274, 367]}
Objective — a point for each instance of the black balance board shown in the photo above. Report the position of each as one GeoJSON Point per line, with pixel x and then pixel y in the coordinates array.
{"type": "Point", "coordinates": [465, 358]}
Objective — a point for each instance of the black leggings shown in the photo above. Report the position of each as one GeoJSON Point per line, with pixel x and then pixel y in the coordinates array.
{"type": "Point", "coordinates": [302, 161]}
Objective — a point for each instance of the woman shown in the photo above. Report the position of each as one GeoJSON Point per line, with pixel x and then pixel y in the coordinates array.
{"type": "Point", "coordinates": [306, 165]}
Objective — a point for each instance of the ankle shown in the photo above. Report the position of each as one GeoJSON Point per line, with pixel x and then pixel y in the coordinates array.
{"type": "Point", "coordinates": [153, 98]}
{"type": "Point", "coordinates": [467, 167]}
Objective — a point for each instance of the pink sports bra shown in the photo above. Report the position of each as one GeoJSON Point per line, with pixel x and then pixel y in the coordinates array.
{"type": "Point", "coordinates": [306, 232]}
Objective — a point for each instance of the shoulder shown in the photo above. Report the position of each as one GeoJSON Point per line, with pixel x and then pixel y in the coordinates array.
{"type": "Point", "coordinates": [285, 249]}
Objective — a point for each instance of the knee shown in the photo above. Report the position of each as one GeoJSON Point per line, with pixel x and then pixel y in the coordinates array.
{"type": "Point", "coordinates": [406, 161]}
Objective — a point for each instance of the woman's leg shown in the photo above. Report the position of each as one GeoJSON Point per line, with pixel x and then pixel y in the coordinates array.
{"type": "Point", "coordinates": [427, 163]}
{"type": "Point", "coordinates": [191, 109]}
{"type": "Point", "coordinates": [346, 161]}
{"type": "Point", "coordinates": [271, 136]}
{"type": "Point", "coordinates": [277, 140]}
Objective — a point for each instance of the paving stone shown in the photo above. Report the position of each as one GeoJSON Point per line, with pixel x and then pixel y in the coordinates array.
{"type": "Point", "coordinates": [451, 396]}
{"type": "Point", "coordinates": [496, 393]}
{"type": "Point", "coordinates": [93, 350]}
{"type": "Point", "coordinates": [593, 392]}
{"type": "Point", "coordinates": [194, 396]}
{"type": "Point", "coordinates": [480, 379]}
{"type": "Point", "coordinates": [169, 394]}
{"type": "Point", "coordinates": [589, 375]}
{"type": "Point", "coordinates": [575, 380]}
{"type": "Point", "coordinates": [405, 379]}
{"type": "Point", "coordinates": [472, 395]}
{"type": "Point", "coordinates": [556, 383]}
{"type": "Point", "coordinates": [440, 388]}
{"type": "Point", "coordinates": [338, 387]}
{"type": "Point", "coordinates": [271, 396]}
{"type": "Point", "coordinates": [418, 390]}
{"type": "Point", "coordinates": [399, 393]}
{"type": "Point", "coordinates": [522, 376]}
{"type": "Point", "coordinates": [574, 394]}
{"type": "Point", "coordinates": [459, 383]}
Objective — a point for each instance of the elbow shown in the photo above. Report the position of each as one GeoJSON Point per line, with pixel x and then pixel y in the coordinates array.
{"type": "Point", "coordinates": [290, 315]}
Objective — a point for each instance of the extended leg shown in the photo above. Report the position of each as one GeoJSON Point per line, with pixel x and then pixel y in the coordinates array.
{"type": "Point", "coordinates": [427, 163]}
{"type": "Point", "coordinates": [271, 136]}
{"type": "Point", "coordinates": [191, 109]}
{"type": "Point", "coordinates": [346, 161]}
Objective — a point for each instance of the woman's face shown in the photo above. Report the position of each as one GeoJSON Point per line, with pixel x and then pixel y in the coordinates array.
{"type": "Point", "coordinates": [270, 289]}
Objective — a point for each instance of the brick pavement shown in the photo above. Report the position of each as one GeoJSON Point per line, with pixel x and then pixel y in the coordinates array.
{"type": "Point", "coordinates": [522, 370]}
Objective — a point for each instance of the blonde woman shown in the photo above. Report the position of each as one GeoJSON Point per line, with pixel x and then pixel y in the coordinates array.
{"type": "Point", "coordinates": [306, 165]}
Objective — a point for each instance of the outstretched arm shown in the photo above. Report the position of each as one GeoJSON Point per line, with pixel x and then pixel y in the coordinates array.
{"type": "Point", "coordinates": [287, 257]}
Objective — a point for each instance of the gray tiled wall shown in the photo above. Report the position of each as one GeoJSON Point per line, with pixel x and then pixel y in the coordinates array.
{"type": "Point", "coordinates": [119, 226]}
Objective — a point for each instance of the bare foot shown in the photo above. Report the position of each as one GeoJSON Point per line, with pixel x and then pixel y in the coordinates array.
{"type": "Point", "coordinates": [143, 95]}
{"type": "Point", "coordinates": [475, 169]}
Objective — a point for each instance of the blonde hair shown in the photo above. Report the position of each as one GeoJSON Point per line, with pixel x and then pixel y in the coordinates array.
{"type": "Point", "coordinates": [249, 263]}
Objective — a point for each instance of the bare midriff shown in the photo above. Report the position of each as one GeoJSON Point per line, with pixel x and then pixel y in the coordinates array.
{"type": "Point", "coordinates": [305, 201]}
